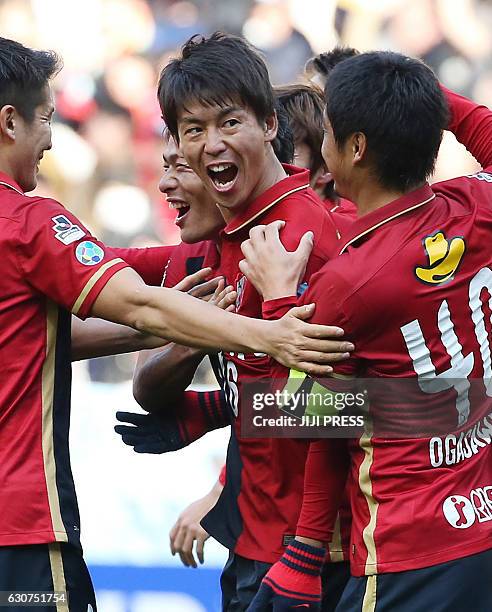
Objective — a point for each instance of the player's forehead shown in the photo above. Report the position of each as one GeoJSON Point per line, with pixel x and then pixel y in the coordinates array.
{"type": "Point", "coordinates": [211, 108]}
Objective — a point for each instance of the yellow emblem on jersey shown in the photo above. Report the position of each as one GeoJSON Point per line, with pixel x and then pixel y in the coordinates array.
{"type": "Point", "coordinates": [444, 258]}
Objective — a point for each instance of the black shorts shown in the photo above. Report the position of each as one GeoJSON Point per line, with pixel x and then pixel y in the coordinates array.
{"type": "Point", "coordinates": [241, 579]}
{"type": "Point", "coordinates": [455, 586]}
{"type": "Point", "coordinates": [48, 567]}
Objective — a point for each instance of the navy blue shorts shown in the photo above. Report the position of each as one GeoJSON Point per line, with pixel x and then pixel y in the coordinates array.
{"type": "Point", "coordinates": [456, 586]}
{"type": "Point", "coordinates": [241, 579]}
{"type": "Point", "coordinates": [48, 567]}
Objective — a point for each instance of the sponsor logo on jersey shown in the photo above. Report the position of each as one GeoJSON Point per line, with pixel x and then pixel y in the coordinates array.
{"type": "Point", "coordinates": [481, 176]}
{"type": "Point", "coordinates": [444, 257]}
{"type": "Point", "coordinates": [452, 449]}
{"type": "Point", "coordinates": [240, 291]}
{"type": "Point", "coordinates": [89, 253]}
{"type": "Point", "coordinates": [66, 231]}
{"type": "Point", "coordinates": [461, 512]}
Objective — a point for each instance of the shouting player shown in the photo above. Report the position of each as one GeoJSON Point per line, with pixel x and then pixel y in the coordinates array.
{"type": "Point", "coordinates": [225, 121]}
{"type": "Point", "coordinates": [52, 265]}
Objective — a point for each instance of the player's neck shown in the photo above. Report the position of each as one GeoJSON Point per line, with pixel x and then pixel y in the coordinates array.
{"type": "Point", "coordinates": [372, 196]}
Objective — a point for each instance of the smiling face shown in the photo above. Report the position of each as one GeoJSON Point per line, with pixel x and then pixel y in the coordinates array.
{"type": "Point", "coordinates": [198, 217]}
{"type": "Point", "coordinates": [32, 139]}
{"type": "Point", "coordinates": [230, 151]}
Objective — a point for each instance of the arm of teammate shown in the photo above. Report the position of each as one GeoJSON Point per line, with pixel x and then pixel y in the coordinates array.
{"type": "Point", "coordinates": [471, 123]}
{"type": "Point", "coordinates": [276, 274]}
{"type": "Point", "coordinates": [181, 423]}
{"type": "Point", "coordinates": [295, 580]}
{"type": "Point", "coordinates": [168, 372]}
{"type": "Point", "coordinates": [97, 338]}
{"type": "Point", "coordinates": [187, 530]}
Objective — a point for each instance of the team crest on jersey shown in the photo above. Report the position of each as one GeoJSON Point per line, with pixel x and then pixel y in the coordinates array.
{"type": "Point", "coordinates": [89, 253]}
{"type": "Point", "coordinates": [444, 257]}
{"type": "Point", "coordinates": [240, 291]}
{"type": "Point", "coordinates": [66, 231]}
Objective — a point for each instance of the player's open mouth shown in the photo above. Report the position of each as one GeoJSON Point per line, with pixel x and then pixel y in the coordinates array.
{"type": "Point", "coordinates": [181, 207]}
{"type": "Point", "coordinates": [223, 175]}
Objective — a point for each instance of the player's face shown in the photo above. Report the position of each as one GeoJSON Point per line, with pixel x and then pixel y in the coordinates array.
{"type": "Point", "coordinates": [337, 159]}
{"type": "Point", "coordinates": [32, 139]}
{"type": "Point", "coordinates": [198, 217]}
{"type": "Point", "coordinates": [229, 150]}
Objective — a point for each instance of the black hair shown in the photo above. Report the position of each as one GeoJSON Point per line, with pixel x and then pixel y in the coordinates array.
{"type": "Point", "coordinates": [323, 63]}
{"type": "Point", "coordinates": [219, 70]}
{"type": "Point", "coordinates": [397, 103]}
{"type": "Point", "coordinates": [283, 143]}
{"type": "Point", "coordinates": [24, 73]}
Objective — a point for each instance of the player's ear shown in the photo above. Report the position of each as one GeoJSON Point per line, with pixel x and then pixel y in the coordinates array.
{"type": "Point", "coordinates": [322, 177]}
{"type": "Point", "coordinates": [270, 127]}
{"type": "Point", "coordinates": [359, 147]}
{"type": "Point", "coordinates": [8, 116]}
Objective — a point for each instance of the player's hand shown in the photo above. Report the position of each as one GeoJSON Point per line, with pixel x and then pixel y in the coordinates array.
{"type": "Point", "coordinates": [149, 433]}
{"type": "Point", "coordinates": [293, 582]}
{"type": "Point", "coordinates": [274, 271]}
{"type": "Point", "coordinates": [187, 531]}
{"type": "Point", "coordinates": [198, 286]}
{"type": "Point", "coordinates": [306, 346]}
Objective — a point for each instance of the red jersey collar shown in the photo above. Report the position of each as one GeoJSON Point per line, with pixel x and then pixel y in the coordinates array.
{"type": "Point", "coordinates": [8, 181]}
{"type": "Point", "coordinates": [368, 223]}
{"type": "Point", "coordinates": [297, 180]}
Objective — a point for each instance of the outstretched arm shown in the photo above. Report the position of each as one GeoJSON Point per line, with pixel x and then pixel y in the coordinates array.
{"type": "Point", "coordinates": [97, 338]}
{"type": "Point", "coordinates": [471, 123]}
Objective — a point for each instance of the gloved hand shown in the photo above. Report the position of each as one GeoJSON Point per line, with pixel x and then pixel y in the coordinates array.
{"type": "Point", "coordinates": [149, 433]}
{"type": "Point", "coordinates": [292, 583]}
{"type": "Point", "coordinates": [176, 427]}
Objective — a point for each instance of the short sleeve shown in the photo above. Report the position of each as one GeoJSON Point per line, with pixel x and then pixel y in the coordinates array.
{"type": "Point", "coordinates": [60, 258]}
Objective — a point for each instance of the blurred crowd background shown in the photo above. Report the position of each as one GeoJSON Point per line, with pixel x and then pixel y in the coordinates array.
{"type": "Point", "coordinates": [106, 160]}
{"type": "Point", "coordinates": [105, 166]}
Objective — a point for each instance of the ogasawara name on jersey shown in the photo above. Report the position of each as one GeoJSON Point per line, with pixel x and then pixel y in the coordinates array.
{"type": "Point", "coordinates": [450, 450]}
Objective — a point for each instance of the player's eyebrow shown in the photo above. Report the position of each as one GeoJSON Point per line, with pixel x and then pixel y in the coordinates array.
{"type": "Point", "coordinates": [228, 110]}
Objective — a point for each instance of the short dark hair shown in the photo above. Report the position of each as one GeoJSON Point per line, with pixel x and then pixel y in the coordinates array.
{"type": "Point", "coordinates": [304, 106]}
{"type": "Point", "coordinates": [283, 143]}
{"type": "Point", "coordinates": [323, 63]}
{"type": "Point", "coordinates": [24, 73]}
{"type": "Point", "coordinates": [397, 103]}
{"type": "Point", "coordinates": [215, 70]}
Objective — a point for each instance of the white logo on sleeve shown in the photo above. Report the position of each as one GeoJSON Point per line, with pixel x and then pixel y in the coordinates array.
{"type": "Point", "coordinates": [461, 512]}
{"type": "Point", "coordinates": [89, 253]}
{"type": "Point", "coordinates": [65, 231]}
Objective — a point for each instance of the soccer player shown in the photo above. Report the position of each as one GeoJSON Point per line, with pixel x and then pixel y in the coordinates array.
{"type": "Point", "coordinates": [415, 260]}
{"type": "Point", "coordinates": [225, 121]}
{"type": "Point", "coordinates": [51, 266]}
{"type": "Point", "coordinates": [303, 105]}
{"type": "Point", "coordinates": [318, 68]}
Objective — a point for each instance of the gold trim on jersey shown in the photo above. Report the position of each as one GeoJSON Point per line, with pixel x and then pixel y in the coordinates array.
{"type": "Point", "coordinates": [58, 575]}
{"type": "Point", "coordinates": [398, 214]}
{"type": "Point", "coordinates": [48, 387]}
{"type": "Point", "coordinates": [335, 546]}
{"type": "Point", "coordinates": [91, 282]}
{"type": "Point", "coordinates": [365, 485]}
{"type": "Point", "coordinates": [370, 595]}
{"type": "Point", "coordinates": [288, 193]}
